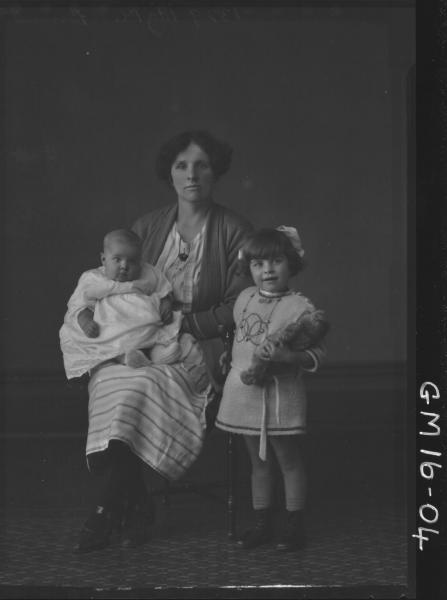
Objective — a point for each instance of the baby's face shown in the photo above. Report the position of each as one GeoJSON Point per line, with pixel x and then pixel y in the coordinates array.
{"type": "Point", "coordinates": [122, 261]}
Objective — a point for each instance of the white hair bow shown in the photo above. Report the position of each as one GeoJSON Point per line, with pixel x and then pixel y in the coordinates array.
{"type": "Point", "coordinates": [293, 236]}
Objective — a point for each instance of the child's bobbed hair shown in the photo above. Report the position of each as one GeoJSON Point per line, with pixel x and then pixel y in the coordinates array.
{"type": "Point", "coordinates": [269, 243]}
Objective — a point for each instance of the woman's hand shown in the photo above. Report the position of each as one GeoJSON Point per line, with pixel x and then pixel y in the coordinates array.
{"type": "Point", "coordinates": [166, 310]}
{"type": "Point", "coordinates": [224, 362]}
{"type": "Point", "coordinates": [184, 328]}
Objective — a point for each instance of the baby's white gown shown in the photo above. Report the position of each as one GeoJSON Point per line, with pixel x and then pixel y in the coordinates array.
{"type": "Point", "coordinates": [128, 320]}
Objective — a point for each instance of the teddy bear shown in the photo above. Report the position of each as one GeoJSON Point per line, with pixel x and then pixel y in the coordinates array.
{"type": "Point", "coordinates": [308, 330]}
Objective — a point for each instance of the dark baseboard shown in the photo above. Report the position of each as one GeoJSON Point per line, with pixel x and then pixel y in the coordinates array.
{"type": "Point", "coordinates": [345, 395]}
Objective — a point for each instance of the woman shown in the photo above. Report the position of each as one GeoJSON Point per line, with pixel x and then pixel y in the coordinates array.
{"type": "Point", "coordinates": [156, 415]}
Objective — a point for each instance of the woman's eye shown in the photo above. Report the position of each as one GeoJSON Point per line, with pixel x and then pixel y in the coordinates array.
{"type": "Point", "coordinates": [180, 165]}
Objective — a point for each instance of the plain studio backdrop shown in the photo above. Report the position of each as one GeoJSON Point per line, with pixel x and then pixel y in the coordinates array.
{"type": "Point", "coordinates": [317, 104]}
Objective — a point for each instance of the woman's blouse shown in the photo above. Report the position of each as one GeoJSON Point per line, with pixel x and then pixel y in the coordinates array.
{"type": "Point", "coordinates": [180, 262]}
{"type": "Point", "coordinates": [219, 283]}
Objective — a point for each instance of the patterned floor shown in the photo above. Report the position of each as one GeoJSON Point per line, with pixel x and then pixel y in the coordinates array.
{"type": "Point", "coordinates": [356, 524]}
{"type": "Point", "coordinates": [348, 547]}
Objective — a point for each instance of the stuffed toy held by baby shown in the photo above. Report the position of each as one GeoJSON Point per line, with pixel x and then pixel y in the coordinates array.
{"type": "Point", "coordinates": [308, 330]}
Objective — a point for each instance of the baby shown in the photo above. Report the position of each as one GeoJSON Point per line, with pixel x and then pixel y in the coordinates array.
{"type": "Point", "coordinates": [120, 311]}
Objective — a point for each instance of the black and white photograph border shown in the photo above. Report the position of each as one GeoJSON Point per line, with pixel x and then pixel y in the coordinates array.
{"type": "Point", "coordinates": [427, 295]}
{"type": "Point", "coordinates": [377, 421]}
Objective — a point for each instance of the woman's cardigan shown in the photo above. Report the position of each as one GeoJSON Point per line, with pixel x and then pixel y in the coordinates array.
{"type": "Point", "coordinates": [219, 284]}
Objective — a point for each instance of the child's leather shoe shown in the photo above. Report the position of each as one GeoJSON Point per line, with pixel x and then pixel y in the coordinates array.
{"type": "Point", "coordinates": [294, 535]}
{"type": "Point", "coordinates": [261, 533]}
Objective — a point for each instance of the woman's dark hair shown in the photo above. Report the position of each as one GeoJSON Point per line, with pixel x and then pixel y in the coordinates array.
{"type": "Point", "coordinates": [269, 243]}
{"type": "Point", "coordinates": [219, 153]}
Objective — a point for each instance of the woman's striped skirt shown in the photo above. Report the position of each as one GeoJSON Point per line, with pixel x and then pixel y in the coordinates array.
{"type": "Point", "coordinates": [157, 410]}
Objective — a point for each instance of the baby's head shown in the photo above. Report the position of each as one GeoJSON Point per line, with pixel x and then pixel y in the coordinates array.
{"type": "Point", "coordinates": [121, 255]}
{"type": "Point", "coordinates": [271, 258]}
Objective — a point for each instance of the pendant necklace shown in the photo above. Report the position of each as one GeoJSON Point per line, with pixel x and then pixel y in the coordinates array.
{"type": "Point", "coordinates": [183, 254]}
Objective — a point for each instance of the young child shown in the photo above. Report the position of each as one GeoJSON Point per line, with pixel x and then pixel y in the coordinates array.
{"type": "Point", "coordinates": [120, 311]}
{"type": "Point", "coordinates": [271, 415]}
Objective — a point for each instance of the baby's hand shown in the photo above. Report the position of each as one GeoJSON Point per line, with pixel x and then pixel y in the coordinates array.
{"type": "Point", "coordinates": [87, 324]}
{"type": "Point", "coordinates": [143, 286]}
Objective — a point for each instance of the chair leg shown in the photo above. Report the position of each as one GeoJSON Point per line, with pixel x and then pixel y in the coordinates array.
{"type": "Point", "coordinates": [166, 490]}
{"type": "Point", "coordinates": [231, 477]}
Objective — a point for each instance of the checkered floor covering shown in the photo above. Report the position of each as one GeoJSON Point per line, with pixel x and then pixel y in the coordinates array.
{"type": "Point", "coordinates": [349, 545]}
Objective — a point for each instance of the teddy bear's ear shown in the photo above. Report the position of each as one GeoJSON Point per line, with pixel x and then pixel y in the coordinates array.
{"type": "Point", "coordinates": [318, 315]}
{"type": "Point", "coordinates": [317, 322]}
{"type": "Point", "coordinates": [321, 321]}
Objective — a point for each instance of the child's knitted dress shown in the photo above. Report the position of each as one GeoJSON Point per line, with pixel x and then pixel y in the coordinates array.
{"type": "Point", "coordinates": [279, 406]}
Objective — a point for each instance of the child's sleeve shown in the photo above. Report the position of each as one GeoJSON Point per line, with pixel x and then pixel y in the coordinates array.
{"type": "Point", "coordinates": [317, 352]}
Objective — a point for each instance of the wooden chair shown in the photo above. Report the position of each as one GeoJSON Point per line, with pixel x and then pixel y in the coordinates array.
{"type": "Point", "coordinates": [205, 489]}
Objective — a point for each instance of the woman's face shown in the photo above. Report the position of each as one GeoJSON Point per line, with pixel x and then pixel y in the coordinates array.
{"type": "Point", "coordinates": [192, 175]}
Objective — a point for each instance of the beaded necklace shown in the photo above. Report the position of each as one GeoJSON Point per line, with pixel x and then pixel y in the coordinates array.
{"type": "Point", "coordinates": [267, 296]}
